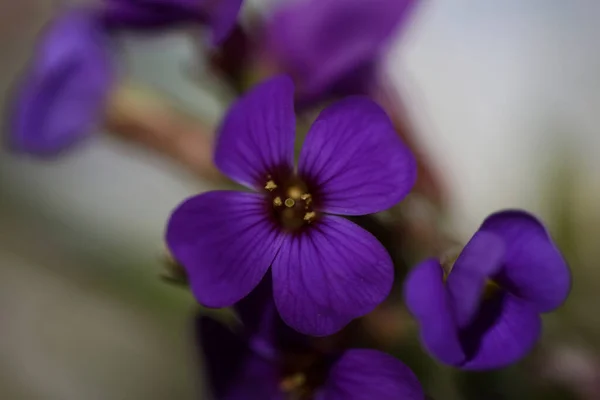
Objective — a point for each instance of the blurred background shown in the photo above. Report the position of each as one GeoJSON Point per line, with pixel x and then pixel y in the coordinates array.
{"type": "Point", "coordinates": [503, 97]}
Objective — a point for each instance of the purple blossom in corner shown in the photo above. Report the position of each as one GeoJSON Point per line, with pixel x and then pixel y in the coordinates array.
{"type": "Point", "coordinates": [326, 270]}
{"type": "Point", "coordinates": [62, 95]}
{"type": "Point", "coordinates": [219, 15]}
{"type": "Point", "coordinates": [334, 45]}
{"type": "Point", "coordinates": [485, 313]}
{"type": "Point", "coordinates": [269, 361]}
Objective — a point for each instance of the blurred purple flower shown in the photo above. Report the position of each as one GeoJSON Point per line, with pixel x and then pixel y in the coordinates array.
{"type": "Point", "coordinates": [326, 270]}
{"type": "Point", "coordinates": [334, 45]}
{"type": "Point", "coordinates": [220, 15]}
{"type": "Point", "coordinates": [63, 93]}
{"type": "Point", "coordinates": [485, 313]}
{"type": "Point", "coordinates": [269, 361]}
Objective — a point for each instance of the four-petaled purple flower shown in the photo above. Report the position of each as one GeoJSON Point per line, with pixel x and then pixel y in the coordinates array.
{"type": "Point", "coordinates": [63, 95]}
{"type": "Point", "coordinates": [334, 46]}
{"type": "Point", "coordinates": [326, 270]}
{"type": "Point", "coordinates": [485, 311]}
{"type": "Point", "coordinates": [267, 360]}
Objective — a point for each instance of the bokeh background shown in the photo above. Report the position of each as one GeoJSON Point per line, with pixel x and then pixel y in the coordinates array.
{"type": "Point", "coordinates": [504, 97]}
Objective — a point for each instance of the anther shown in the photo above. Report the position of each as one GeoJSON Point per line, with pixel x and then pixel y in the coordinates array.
{"type": "Point", "coordinates": [270, 186]}
{"type": "Point", "coordinates": [309, 216]}
{"type": "Point", "coordinates": [307, 199]}
{"type": "Point", "coordinates": [277, 201]}
{"type": "Point", "coordinates": [289, 203]}
{"type": "Point", "coordinates": [292, 383]}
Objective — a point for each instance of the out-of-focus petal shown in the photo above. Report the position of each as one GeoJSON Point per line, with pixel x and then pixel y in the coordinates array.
{"type": "Point", "coordinates": [328, 275]}
{"type": "Point", "coordinates": [479, 261]}
{"type": "Point", "coordinates": [256, 137]}
{"type": "Point", "coordinates": [428, 301]}
{"type": "Point", "coordinates": [61, 97]}
{"type": "Point", "coordinates": [505, 330]}
{"type": "Point", "coordinates": [534, 268]}
{"type": "Point", "coordinates": [220, 15]}
{"type": "Point", "coordinates": [355, 159]}
{"type": "Point", "coordinates": [225, 241]}
{"type": "Point", "coordinates": [234, 371]}
{"type": "Point", "coordinates": [362, 374]}
{"type": "Point", "coordinates": [322, 41]}
{"type": "Point", "coordinates": [222, 19]}
{"type": "Point", "coordinates": [267, 334]}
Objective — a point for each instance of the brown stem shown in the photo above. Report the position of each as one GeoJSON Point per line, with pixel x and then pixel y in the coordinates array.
{"type": "Point", "coordinates": [144, 117]}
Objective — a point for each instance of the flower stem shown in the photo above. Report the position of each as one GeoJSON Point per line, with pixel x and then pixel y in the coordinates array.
{"type": "Point", "coordinates": [142, 116]}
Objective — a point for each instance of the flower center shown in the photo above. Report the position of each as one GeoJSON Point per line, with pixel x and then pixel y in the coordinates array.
{"type": "Point", "coordinates": [490, 289]}
{"type": "Point", "coordinates": [290, 202]}
{"type": "Point", "coordinates": [303, 374]}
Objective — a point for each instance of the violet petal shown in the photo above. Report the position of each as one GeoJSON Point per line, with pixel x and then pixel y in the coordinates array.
{"type": "Point", "coordinates": [220, 15]}
{"type": "Point", "coordinates": [356, 160]}
{"type": "Point", "coordinates": [323, 41]}
{"type": "Point", "coordinates": [62, 95]}
{"type": "Point", "coordinates": [479, 261]}
{"type": "Point", "coordinates": [328, 275]}
{"type": "Point", "coordinates": [534, 268]}
{"type": "Point", "coordinates": [234, 371]}
{"type": "Point", "coordinates": [428, 301]}
{"type": "Point", "coordinates": [505, 330]}
{"type": "Point", "coordinates": [222, 19]}
{"type": "Point", "coordinates": [257, 135]}
{"type": "Point", "coordinates": [362, 374]}
{"type": "Point", "coordinates": [226, 242]}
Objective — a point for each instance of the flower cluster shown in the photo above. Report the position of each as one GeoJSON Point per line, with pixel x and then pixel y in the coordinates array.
{"type": "Point", "coordinates": [284, 250]}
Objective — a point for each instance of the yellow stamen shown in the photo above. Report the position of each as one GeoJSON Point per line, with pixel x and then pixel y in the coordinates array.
{"type": "Point", "coordinates": [277, 201]}
{"type": "Point", "coordinates": [292, 383]}
{"type": "Point", "coordinates": [270, 186]}
{"type": "Point", "coordinates": [309, 216]}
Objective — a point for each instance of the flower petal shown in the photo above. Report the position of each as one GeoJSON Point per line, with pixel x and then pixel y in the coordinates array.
{"type": "Point", "coordinates": [324, 41]}
{"type": "Point", "coordinates": [151, 14]}
{"type": "Point", "coordinates": [534, 268]}
{"type": "Point", "coordinates": [355, 159]}
{"type": "Point", "coordinates": [505, 330]}
{"type": "Point", "coordinates": [256, 137]}
{"type": "Point", "coordinates": [362, 374]}
{"type": "Point", "coordinates": [428, 301]}
{"type": "Point", "coordinates": [234, 371]}
{"type": "Point", "coordinates": [62, 96]}
{"type": "Point", "coordinates": [479, 261]}
{"type": "Point", "coordinates": [226, 242]}
{"type": "Point", "coordinates": [222, 19]}
{"type": "Point", "coordinates": [157, 14]}
{"type": "Point", "coordinates": [328, 275]}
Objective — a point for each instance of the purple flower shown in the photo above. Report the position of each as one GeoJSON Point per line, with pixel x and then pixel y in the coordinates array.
{"type": "Point", "coordinates": [326, 270]}
{"type": "Point", "coordinates": [485, 313]}
{"type": "Point", "coordinates": [62, 96]}
{"type": "Point", "coordinates": [220, 15]}
{"type": "Point", "coordinates": [334, 45]}
{"type": "Point", "coordinates": [269, 361]}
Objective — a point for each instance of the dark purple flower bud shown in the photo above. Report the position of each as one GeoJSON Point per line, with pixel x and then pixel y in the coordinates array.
{"type": "Point", "coordinates": [220, 15]}
{"type": "Point", "coordinates": [269, 361]}
{"type": "Point", "coordinates": [326, 270]}
{"type": "Point", "coordinates": [334, 45]}
{"type": "Point", "coordinates": [484, 312]}
{"type": "Point", "coordinates": [62, 95]}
